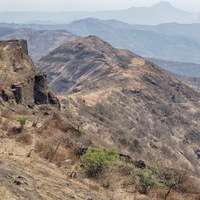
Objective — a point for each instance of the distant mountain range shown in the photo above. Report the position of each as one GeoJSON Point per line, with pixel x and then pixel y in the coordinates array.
{"type": "Point", "coordinates": [186, 72]}
{"type": "Point", "coordinates": [41, 42]}
{"type": "Point", "coordinates": [180, 68]}
{"type": "Point", "coordinates": [174, 42]}
{"type": "Point", "coordinates": [162, 12]}
{"type": "Point", "coordinates": [175, 46]}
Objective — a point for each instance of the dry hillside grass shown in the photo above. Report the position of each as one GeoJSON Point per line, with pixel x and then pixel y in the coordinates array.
{"type": "Point", "coordinates": [55, 160]}
{"type": "Point", "coordinates": [120, 101]}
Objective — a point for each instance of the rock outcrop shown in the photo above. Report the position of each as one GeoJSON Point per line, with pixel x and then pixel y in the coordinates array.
{"type": "Point", "coordinates": [20, 82]}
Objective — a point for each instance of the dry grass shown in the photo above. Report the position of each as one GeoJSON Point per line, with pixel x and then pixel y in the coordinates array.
{"type": "Point", "coordinates": [8, 114]}
{"type": "Point", "coordinates": [94, 187]}
{"type": "Point", "coordinates": [24, 138]}
{"type": "Point", "coordinates": [59, 140]}
{"type": "Point", "coordinates": [57, 150]}
{"type": "Point", "coordinates": [5, 125]}
{"type": "Point", "coordinates": [56, 146]}
{"type": "Point", "coordinates": [44, 150]}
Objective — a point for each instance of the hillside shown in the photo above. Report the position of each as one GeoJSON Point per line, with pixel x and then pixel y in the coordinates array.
{"type": "Point", "coordinates": [191, 81]}
{"type": "Point", "coordinates": [40, 42]}
{"type": "Point", "coordinates": [82, 58]}
{"type": "Point", "coordinates": [29, 128]}
{"type": "Point", "coordinates": [123, 100]}
{"type": "Point", "coordinates": [115, 99]}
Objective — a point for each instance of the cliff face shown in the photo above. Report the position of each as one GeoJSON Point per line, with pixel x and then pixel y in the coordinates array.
{"type": "Point", "coordinates": [20, 83]}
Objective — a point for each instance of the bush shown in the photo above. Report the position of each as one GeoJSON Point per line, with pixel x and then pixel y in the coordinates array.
{"type": "Point", "coordinates": [97, 159]}
{"type": "Point", "coordinates": [22, 120]}
{"type": "Point", "coordinates": [148, 179]}
{"type": "Point", "coordinates": [175, 179]}
{"type": "Point", "coordinates": [24, 139]}
{"type": "Point", "coordinates": [2, 54]}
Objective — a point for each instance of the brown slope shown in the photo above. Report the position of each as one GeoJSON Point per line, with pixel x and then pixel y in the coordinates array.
{"type": "Point", "coordinates": [28, 176]}
{"type": "Point", "coordinates": [126, 101]}
{"type": "Point", "coordinates": [23, 176]}
{"type": "Point", "coordinates": [82, 59]}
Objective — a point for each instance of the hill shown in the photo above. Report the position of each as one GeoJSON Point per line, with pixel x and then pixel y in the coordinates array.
{"type": "Point", "coordinates": [40, 42]}
{"type": "Point", "coordinates": [173, 29]}
{"type": "Point", "coordinates": [115, 99]}
{"type": "Point", "coordinates": [168, 45]}
{"type": "Point", "coordinates": [126, 101]}
{"type": "Point", "coordinates": [81, 63]}
{"type": "Point", "coordinates": [27, 108]}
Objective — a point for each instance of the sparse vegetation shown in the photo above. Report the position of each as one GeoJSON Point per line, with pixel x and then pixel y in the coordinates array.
{"type": "Point", "coordinates": [97, 158]}
{"type": "Point", "coordinates": [22, 120]}
{"type": "Point", "coordinates": [68, 114]}
{"type": "Point", "coordinates": [148, 179]}
{"type": "Point", "coordinates": [174, 179]}
{"type": "Point", "coordinates": [2, 54]}
{"type": "Point", "coordinates": [137, 120]}
{"type": "Point", "coordinates": [24, 138]}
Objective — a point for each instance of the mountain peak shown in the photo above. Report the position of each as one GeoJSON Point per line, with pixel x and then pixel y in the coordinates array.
{"type": "Point", "coordinates": [163, 4]}
{"type": "Point", "coordinates": [83, 56]}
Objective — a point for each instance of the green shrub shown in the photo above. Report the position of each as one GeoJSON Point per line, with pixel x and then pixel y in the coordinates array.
{"type": "Point", "coordinates": [96, 159]}
{"type": "Point", "coordinates": [22, 120]}
{"type": "Point", "coordinates": [148, 178]}
{"type": "Point", "coordinates": [147, 181]}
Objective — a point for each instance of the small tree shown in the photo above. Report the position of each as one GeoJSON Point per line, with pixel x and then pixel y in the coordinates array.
{"type": "Point", "coordinates": [22, 120]}
{"type": "Point", "coordinates": [147, 178]}
{"type": "Point", "coordinates": [173, 179]}
{"type": "Point", "coordinates": [96, 159]}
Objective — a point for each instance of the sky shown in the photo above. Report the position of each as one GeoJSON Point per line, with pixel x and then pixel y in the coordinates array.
{"type": "Point", "coordinates": [90, 5]}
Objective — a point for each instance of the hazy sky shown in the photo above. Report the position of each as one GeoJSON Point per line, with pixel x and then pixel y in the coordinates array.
{"type": "Point", "coordinates": [67, 5]}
